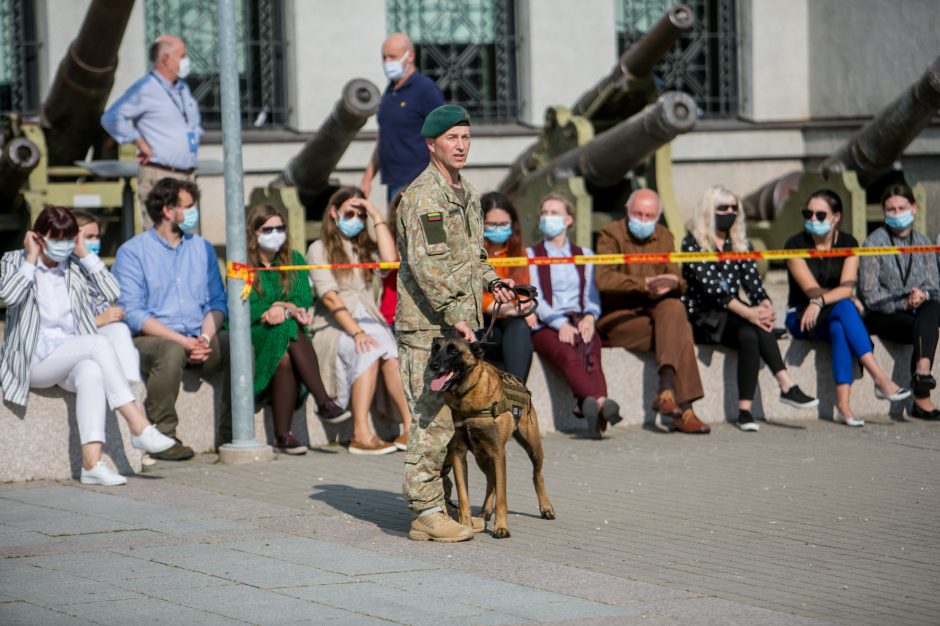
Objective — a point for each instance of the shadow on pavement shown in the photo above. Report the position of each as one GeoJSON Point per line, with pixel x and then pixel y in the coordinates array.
{"type": "Point", "coordinates": [387, 510]}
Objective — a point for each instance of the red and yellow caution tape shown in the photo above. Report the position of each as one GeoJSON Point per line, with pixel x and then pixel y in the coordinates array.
{"type": "Point", "coordinates": [241, 271]}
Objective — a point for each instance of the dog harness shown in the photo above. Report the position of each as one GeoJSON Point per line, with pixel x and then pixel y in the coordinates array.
{"type": "Point", "coordinates": [514, 400]}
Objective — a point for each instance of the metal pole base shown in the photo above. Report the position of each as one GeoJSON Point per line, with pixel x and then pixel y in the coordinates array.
{"type": "Point", "coordinates": [241, 454]}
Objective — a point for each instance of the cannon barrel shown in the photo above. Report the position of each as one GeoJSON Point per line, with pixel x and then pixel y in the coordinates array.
{"type": "Point", "coordinates": [18, 157]}
{"type": "Point", "coordinates": [310, 169]}
{"type": "Point", "coordinates": [636, 63]}
{"type": "Point", "coordinates": [607, 158]}
{"type": "Point", "coordinates": [77, 97]}
{"type": "Point", "coordinates": [874, 148]}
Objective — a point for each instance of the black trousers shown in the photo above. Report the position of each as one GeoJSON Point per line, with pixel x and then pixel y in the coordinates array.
{"type": "Point", "coordinates": [918, 328]}
{"type": "Point", "coordinates": [511, 345]}
{"type": "Point", "coordinates": [752, 344]}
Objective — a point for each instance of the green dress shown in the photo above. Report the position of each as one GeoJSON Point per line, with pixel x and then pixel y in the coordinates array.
{"type": "Point", "coordinates": [270, 342]}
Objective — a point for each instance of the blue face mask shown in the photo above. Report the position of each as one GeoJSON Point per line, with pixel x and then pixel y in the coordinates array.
{"type": "Point", "coordinates": [499, 234]}
{"type": "Point", "coordinates": [93, 246]}
{"type": "Point", "coordinates": [552, 225]}
{"type": "Point", "coordinates": [641, 230]}
{"type": "Point", "coordinates": [900, 221]}
{"type": "Point", "coordinates": [820, 229]}
{"type": "Point", "coordinates": [59, 249]}
{"type": "Point", "coordinates": [190, 219]}
{"type": "Point", "coordinates": [351, 227]}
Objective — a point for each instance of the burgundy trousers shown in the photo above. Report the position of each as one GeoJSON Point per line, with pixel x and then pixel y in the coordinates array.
{"type": "Point", "coordinates": [583, 383]}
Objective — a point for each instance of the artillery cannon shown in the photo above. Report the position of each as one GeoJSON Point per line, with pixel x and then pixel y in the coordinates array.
{"type": "Point", "coordinates": [595, 168]}
{"type": "Point", "coordinates": [629, 87]}
{"type": "Point", "coordinates": [67, 127]}
{"type": "Point", "coordinates": [621, 94]}
{"type": "Point", "coordinates": [83, 82]}
{"type": "Point", "coordinates": [303, 188]}
{"type": "Point", "coordinates": [859, 171]}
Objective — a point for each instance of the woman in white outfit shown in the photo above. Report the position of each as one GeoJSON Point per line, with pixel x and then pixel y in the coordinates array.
{"type": "Point", "coordinates": [108, 316]}
{"type": "Point", "coordinates": [352, 340]}
{"type": "Point", "coordinates": [50, 288]}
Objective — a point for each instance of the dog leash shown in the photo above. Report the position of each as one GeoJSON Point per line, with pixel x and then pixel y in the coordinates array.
{"type": "Point", "coordinates": [522, 295]}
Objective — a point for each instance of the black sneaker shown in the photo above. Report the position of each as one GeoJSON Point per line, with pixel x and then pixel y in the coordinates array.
{"type": "Point", "coordinates": [593, 417]}
{"type": "Point", "coordinates": [332, 413]}
{"type": "Point", "coordinates": [611, 412]}
{"type": "Point", "coordinates": [178, 452]}
{"type": "Point", "coordinates": [795, 397]}
{"type": "Point", "coordinates": [746, 422]}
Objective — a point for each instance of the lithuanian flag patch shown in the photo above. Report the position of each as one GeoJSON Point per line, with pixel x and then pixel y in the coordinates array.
{"type": "Point", "coordinates": [434, 217]}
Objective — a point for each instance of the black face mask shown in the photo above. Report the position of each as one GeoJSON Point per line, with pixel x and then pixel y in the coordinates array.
{"type": "Point", "coordinates": [724, 221]}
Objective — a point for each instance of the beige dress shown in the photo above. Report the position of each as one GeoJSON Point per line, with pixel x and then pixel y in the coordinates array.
{"type": "Point", "coordinates": [340, 364]}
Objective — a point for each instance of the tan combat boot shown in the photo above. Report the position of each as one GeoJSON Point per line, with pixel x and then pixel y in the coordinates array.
{"type": "Point", "coordinates": [438, 526]}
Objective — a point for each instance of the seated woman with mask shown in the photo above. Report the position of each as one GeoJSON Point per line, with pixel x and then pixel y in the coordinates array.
{"type": "Point", "coordinates": [284, 356]}
{"type": "Point", "coordinates": [50, 288]}
{"type": "Point", "coordinates": [350, 336]}
{"type": "Point", "coordinates": [568, 308]}
{"type": "Point", "coordinates": [719, 315]}
{"type": "Point", "coordinates": [511, 338]}
{"type": "Point", "coordinates": [822, 303]}
{"type": "Point", "coordinates": [902, 293]}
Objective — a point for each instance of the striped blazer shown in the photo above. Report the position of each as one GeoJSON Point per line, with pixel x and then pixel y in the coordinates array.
{"type": "Point", "coordinates": [85, 287]}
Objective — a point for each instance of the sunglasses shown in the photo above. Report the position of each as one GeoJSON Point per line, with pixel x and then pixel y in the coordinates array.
{"type": "Point", "coordinates": [820, 215]}
{"type": "Point", "coordinates": [267, 230]}
{"type": "Point", "coordinates": [348, 215]}
{"type": "Point", "coordinates": [723, 208]}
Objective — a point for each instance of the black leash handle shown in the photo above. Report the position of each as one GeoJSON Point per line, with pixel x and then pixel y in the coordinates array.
{"type": "Point", "coordinates": [522, 295]}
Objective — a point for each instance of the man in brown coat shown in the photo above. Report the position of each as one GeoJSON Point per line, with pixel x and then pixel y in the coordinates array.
{"type": "Point", "coordinates": [641, 309]}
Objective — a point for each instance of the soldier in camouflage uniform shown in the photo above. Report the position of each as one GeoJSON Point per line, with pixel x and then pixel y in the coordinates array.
{"type": "Point", "coordinates": [443, 272]}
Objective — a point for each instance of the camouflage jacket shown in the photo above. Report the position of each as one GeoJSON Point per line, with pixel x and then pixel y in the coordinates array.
{"type": "Point", "coordinates": [444, 267]}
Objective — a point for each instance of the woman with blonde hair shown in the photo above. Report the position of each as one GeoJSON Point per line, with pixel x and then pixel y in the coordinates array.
{"type": "Point", "coordinates": [350, 335]}
{"type": "Point", "coordinates": [284, 356]}
{"type": "Point", "coordinates": [718, 313]}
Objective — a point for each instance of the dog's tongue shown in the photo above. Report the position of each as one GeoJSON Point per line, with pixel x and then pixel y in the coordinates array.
{"type": "Point", "coordinates": [438, 383]}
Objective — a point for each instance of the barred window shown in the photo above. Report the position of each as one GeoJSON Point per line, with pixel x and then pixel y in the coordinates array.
{"type": "Point", "coordinates": [18, 56]}
{"type": "Point", "coordinates": [260, 48]}
{"type": "Point", "coordinates": [704, 62]}
{"type": "Point", "coordinates": [468, 47]}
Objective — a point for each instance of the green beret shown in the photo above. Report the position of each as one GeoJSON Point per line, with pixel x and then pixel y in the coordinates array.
{"type": "Point", "coordinates": [444, 117]}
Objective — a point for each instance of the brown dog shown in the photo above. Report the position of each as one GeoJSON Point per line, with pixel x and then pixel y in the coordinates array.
{"type": "Point", "coordinates": [488, 407]}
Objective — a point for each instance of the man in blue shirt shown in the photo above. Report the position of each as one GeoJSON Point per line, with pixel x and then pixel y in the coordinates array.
{"type": "Point", "coordinates": [160, 116]}
{"type": "Point", "coordinates": [174, 302]}
{"type": "Point", "coordinates": [400, 152]}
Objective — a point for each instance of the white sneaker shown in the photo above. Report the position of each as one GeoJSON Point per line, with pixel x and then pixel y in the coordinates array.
{"type": "Point", "coordinates": [101, 474]}
{"type": "Point", "coordinates": [849, 421]}
{"type": "Point", "coordinates": [152, 440]}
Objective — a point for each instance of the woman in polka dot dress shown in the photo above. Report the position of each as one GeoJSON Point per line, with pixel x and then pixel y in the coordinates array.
{"type": "Point", "coordinates": [718, 313]}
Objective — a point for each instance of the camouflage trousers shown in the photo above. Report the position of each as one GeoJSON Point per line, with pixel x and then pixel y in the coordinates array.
{"type": "Point", "coordinates": [431, 425]}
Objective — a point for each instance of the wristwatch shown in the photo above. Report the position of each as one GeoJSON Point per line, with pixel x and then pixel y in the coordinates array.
{"type": "Point", "coordinates": [287, 313]}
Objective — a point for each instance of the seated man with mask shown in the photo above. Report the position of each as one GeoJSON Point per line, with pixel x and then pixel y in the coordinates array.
{"type": "Point", "coordinates": [641, 310]}
{"type": "Point", "coordinates": [174, 303]}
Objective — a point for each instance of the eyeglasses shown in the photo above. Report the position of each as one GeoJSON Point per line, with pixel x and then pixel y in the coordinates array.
{"type": "Point", "coordinates": [348, 215]}
{"type": "Point", "coordinates": [820, 215]}
{"type": "Point", "coordinates": [722, 208]}
{"type": "Point", "coordinates": [497, 224]}
{"type": "Point", "coordinates": [267, 230]}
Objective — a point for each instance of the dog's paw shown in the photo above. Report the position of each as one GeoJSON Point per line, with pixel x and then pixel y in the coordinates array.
{"type": "Point", "coordinates": [548, 513]}
{"type": "Point", "coordinates": [501, 533]}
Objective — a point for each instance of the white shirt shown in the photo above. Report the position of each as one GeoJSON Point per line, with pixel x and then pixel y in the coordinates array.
{"type": "Point", "coordinates": [56, 322]}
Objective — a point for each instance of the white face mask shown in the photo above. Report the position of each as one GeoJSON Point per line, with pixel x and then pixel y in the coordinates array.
{"type": "Point", "coordinates": [394, 70]}
{"type": "Point", "coordinates": [185, 67]}
{"type": "Point", "coordinates": [272, 241]}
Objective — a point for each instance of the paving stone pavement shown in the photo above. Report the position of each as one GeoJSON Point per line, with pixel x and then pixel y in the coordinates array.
{"type": "Point", "coordinates": [802, 523]}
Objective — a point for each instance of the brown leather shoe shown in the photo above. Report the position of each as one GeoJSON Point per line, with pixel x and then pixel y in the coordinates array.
{"type": "Point", "coordinates": [665, 404]}
{"type": "Point", "coordinates": [689, 423]}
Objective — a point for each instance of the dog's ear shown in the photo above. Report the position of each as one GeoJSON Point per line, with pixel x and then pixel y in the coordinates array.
{"type": "Point", "coordinates": [478, 349]}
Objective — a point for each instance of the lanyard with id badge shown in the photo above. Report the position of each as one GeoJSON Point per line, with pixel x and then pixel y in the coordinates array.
{"type": "Point", "coordinates": [191, 135]}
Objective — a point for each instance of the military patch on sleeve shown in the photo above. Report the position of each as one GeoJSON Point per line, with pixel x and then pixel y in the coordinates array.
{"type": "Point", "coordinates": [433, 225]}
